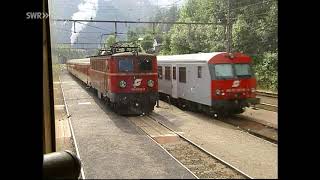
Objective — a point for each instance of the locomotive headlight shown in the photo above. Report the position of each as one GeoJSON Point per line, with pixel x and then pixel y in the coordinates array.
{"type": "Point", "coordinates": [122, 84]}
{"type": "Point", "coordinates": [218, 91]}
{"type": "Point", "coordinates": [253, 90]}
{"type": "Point", "coordinates": [150, 83]}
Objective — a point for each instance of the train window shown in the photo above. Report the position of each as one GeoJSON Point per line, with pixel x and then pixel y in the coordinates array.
{"type": "Point", "coordinates": [125, 65]}
{"type": "Point", "coordinates": [159, 72]}
{"type": "Point", "coordinates": [182, 74]}
{"type": "Point", "coordinates": [199, 71]}
{"type": "Point", "coordinates": [145, 64]}
{"type": "Point", "coordinates": [174, 73]}
{"type": "Point", "coordinates": [167, 73]}
{"type": "Point", "coordinates": [242, 70]}
{"type": "Point", "coordinates": [223, 71]}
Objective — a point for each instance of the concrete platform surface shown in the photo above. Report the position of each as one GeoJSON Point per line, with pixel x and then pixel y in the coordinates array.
{"type": "Point", "coordinates": [253, 156]}
{"type": "Point", "coordinates": [109, 145]}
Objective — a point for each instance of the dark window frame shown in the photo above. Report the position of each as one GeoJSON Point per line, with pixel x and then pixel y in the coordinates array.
{"type": "Point", "coordinates": [183, 74]}
{"type": "Point", "coordinates": [167, 73]}
{"type": "Point", "coordinates": [174, 73]}
{"type": "Point", "coordinates": [160, 75]}
{"type": "Point", "coordinates": [199, 71]}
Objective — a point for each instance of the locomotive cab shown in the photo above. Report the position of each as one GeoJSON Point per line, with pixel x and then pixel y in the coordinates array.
{"type": "Point", "coordinates": [233, 83]}
{"type": "Point", "coordinates": [133, 82]}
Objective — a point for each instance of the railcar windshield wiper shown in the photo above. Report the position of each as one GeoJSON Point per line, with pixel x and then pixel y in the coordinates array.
{"type": "Point", "coordinates": [244, 76]}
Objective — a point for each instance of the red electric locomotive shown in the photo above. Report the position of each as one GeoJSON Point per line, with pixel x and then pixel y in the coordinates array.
{"type": "Point", "coordinates": [127, 80]}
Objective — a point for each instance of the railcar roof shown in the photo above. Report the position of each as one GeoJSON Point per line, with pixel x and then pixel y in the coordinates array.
{"type": "Point", "coordinates": [131, 54]}
{"type": "Point", "coordinates": [197, 57]}
{"type": "Point", "coordinates": [79, 61]}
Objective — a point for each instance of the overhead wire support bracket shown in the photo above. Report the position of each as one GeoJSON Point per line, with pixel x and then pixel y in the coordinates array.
{"type": "Point", "coordinates": [74, 27]}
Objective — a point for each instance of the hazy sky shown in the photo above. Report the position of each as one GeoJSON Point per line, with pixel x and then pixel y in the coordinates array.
{"type": "Point", "coordinates": [165, 2]}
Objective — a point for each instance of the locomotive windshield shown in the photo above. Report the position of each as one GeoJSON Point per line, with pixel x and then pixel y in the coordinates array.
{"type": "Point", "coordinates": [125, 65]}
{"type": "Point", "coordinates": [242, 70]}
{"type": "Point", "coordinates": [145, 64]}
{"type": "Point", "coordinates": [223, 71]}
{"type": "Point", "coordinates": [228, 71]}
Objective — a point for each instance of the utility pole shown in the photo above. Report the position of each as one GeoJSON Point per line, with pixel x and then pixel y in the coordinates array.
{"type": "Point", "coordinates": [115, 31]}
{"type": "Point", "coordinates": [229, 30]}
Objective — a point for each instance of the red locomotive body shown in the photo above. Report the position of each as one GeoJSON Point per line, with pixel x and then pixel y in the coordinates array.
{"type": "Point", "coordinates": [231, 94]}
{"type": "Point", "coordinates": [127, 81]}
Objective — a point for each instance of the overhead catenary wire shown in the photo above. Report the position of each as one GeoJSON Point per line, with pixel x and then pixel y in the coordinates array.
{"type": "Point", "coordinates": [89, 25]}
{"type": "Point", "coordinates": [134, 22]}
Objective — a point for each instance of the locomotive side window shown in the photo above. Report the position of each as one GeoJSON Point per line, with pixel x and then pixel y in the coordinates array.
{"type": "Point", "coordinates": [167, 73]}
{"type": "Point", "coordinates": [199, 71]}
{"type": "Point", "coordinates": [242, 70]}
{"type": "Point", "coordinates": [159, 72]}
{"type": "Point", "coordinates": [125, 65]}
{"type": "Point", "coordinates": [174, 73]}
{"type": "Point", "coordinates": [223, 71]}
{"type": "Point", "coordinates": [182, 74]}
{"type": "Point", "coordinates": [146, 64]}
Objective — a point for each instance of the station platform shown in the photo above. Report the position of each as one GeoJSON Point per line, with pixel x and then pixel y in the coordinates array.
{"type": "Point", "coordinates": [111, 147]}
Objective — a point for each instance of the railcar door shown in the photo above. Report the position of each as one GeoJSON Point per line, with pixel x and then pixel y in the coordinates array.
{"type": "Point", "coordinates": [174, 82]}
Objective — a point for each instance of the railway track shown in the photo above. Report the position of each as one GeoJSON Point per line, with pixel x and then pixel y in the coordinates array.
{"type": "Point", "coordinates": [267, 94]}
{"type": "Point", "coordinates": [197, 160]}
{"type": "Point", "coordinates": [265, 106]}
{"type": "Point", "coordinates": [267, 101]}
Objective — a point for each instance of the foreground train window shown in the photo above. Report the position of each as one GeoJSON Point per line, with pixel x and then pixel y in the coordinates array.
{"type": "Point", "coordinates": [114, 109]}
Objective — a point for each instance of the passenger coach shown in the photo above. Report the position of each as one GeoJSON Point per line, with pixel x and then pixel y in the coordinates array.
{"type": "Point", "coordinates": [211, 82]}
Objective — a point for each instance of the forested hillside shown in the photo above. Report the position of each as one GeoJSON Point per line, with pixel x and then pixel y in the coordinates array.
{"type": "Point", "coordinates": [254, 32]}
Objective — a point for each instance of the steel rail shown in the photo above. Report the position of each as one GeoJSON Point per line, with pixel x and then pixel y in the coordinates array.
{"type": "Point", "coordinates": [205, 151]}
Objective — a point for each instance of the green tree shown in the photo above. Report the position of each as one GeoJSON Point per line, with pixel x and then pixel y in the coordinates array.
{"type": "Point", "coordinates": [110, 41]}
{"type": "Point", "coordinates": [147, 42]}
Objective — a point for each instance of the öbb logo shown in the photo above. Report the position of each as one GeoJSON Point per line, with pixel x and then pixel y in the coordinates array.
{"type": "Point", "coordinates": [137, 82]}
{"type": "Point", "coordinates": [236, 83]}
